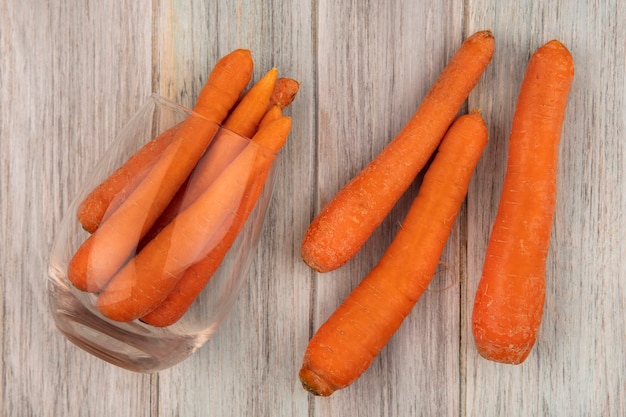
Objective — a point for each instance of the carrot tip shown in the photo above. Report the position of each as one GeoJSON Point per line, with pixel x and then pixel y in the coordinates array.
{"type": "Point", "coordinates": [315, 384]}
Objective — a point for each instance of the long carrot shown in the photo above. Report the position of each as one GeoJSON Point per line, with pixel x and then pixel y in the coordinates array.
{"type": "Point", "coordinates": [106, 250]}
{"type": "Point", "coordinates": [343, 226]}
{"type": "Point", "coordinates": [347, 343]}
{"type": "Point", "coordinates": [144, 282]}
{"type": "Point", "coordinates": [509, 302]}
{"type": "Point", "coordinates": [103, 200]}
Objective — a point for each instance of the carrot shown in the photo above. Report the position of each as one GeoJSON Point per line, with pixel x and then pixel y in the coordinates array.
{"type": "Point", "coordinates": [347, 221]}
{"type": "Point", "coordinates": [147, 279]}
{"type": "Point", "coordinates": [195, 278]}
{"type": "Point", "coordinates": [274, 112]}
{"type": "Point", "coordinates": [106, 250]}
{"type": "Point", "coordinates": [284, 92]}
{"type": "Point", "coordinates": [109, 194]}
{"type": "Point", "coordinates": [243, 121]}
{"type": "Point", "coordinates": [347, 343]}
{"type": "Point", "coordinates": [245, 118]}
{"type": "Point", "coordinates": [509, 301]}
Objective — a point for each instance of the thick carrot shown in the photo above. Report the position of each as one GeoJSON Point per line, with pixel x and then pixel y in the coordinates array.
{"type": "Point", "coordinates": [347, 343]}
{"type": "Point", "coordinates": [509, 302]}
{"type": "Point", "coordinates": [106, 250]}
{"type": "Point", "coordinates": [103, 200]}
{"type": "Point", "coordinates": [284, 92]}
{"type": "Point", "coordinates": [147, 279]}
{"type": "Point", "coordinates": [347, 221]}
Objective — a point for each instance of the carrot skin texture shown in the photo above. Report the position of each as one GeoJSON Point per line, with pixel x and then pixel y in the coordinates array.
{"type": "Point", "coordinates": [346, 222]}
{"type": "Point", "coordinates": [106, 250]}
{"type": "Point", "coordinates": [347, 343]}
{"type": "Point", "coordinates": [509, 302]}
{"type": "Point", "coordinates": [148, 278]}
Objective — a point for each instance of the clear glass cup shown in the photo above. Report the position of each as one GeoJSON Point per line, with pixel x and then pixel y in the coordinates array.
{"type": "Point", "coordinates": [135, 345]}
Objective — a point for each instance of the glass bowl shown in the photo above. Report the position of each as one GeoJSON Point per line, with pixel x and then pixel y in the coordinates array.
{"type": "Point", "coordinates": [136, 345]}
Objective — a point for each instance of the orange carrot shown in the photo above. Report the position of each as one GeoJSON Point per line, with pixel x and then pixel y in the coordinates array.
{"type": "Point", "coordinates": [284, 92]}
{"type": "Point", "coordinates": [147, 279]}
{"type": "Point", "coordinates": [105, 198]}
{"type": "Point", "coordinates": [347, 343]}
{"type": "Point", "coordinates": [109, 194]}
{"type": "Point", "coordinates": [509, 301]}
{"type": "Point", "coordinates": [245, 118]}
{"type": "Point", "coordinates": [347, 221]}
{"type": "Point", "coordinates": [106, 250]}
{"type": "Point", "coordinates": [243, 121]}
{"type": "Point", "coordinates": [274, 112]}
{"type": "Point", "coordinates": [195, 278]}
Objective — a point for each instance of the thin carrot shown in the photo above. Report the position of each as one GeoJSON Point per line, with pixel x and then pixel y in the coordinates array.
{"type": "Point", "coordinates": [103, 200]}
{"type": "Point", "coordinates": [245, 118]}
{"type": "Point", "coordinates": [106, 250]}
{"type": "Point", "coordinates": [347, 221]}
{"type": "Point", "coordinates": [147, 279]}
{"type": "Point", "coordinates": [274, 112]}
{"type": "Point", "coordinates": [284, 92]}
{"type": "Point", "coordinates": [509, 302]}
{"type": "Point", "coordinates": [347, 343]}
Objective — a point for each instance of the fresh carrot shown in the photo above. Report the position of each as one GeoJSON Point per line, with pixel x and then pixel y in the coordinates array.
{"type": "Point", "coordinates": [284, 92]}
{"type": "Point", "coordinates": [274, 112]}
{"type": "Point", "coordinates": [196, 277]}
{"type": "Point", "coordinates": [242, 121]}
{"type": "Point", "coordinates": [509, 302]}
{"type": "Point", "coordinates": [347, 221]}
{"type": "Point", "coordinates": [347, 343]}
{"type": "Point", "coordinates": [106, 250]}
{"type": "Point", "coordinates": [103, 200]}
{"type": "Point", "coordinates": [148, 278]}
{"type": "Point", "coordinates": [107, 196]}
{"type": "Point", "coordinates": [246, 116]}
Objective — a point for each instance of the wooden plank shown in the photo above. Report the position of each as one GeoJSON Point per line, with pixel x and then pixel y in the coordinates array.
{"type": "Point", "coordinates": [375, 66]}
{"type": "Point", "coordinates": [250, 366]}
{"type": "Point", "coordinates": [70, 76]}
{"type": "Point", "coordinates": [578, 363]}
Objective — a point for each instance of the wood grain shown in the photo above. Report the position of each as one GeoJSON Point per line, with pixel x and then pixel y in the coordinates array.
{"type": "Point", "coordinates": [70, 77]}
{"type": "Point", "coordinates": [64, 96]}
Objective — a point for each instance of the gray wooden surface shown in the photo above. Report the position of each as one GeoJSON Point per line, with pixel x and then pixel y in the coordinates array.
{"type": "Point", "coordinates": [71, 74]}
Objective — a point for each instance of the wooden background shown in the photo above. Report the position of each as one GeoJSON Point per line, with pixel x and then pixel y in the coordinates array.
{"type": "Point", "coordinates": [72, 73]}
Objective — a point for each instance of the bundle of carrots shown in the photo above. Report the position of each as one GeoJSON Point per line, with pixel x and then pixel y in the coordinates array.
{"type": "Point", "coordinates": [162, 223]}
{"type": "Point", "coordinates": [509, 302]}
